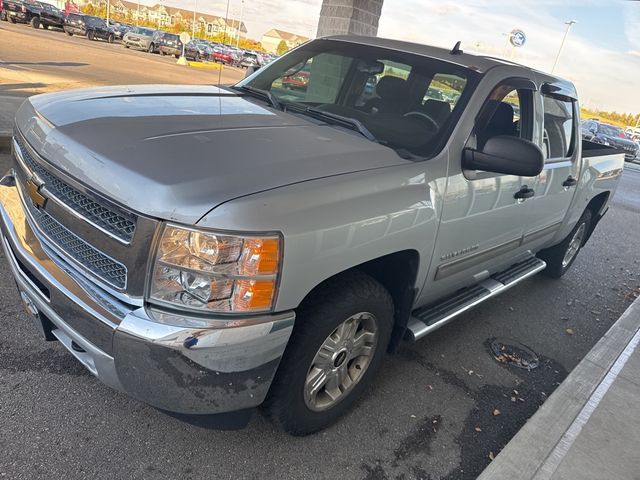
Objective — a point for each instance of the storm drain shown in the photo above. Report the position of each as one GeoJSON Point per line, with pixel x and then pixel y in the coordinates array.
{"type": "Point", "coordinates": [514, 353]}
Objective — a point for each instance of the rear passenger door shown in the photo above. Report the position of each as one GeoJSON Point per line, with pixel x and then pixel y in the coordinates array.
{"type": "Point", "coordinates": [557, 109]}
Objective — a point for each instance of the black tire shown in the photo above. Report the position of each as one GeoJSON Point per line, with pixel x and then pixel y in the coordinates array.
{"type": "Point", "coordinates": [321, 313]}
{"type": "Point", "coordinates": [150, 48]}
{"type": "Point", "coordinates": [557, 265]}
{"type": "Point", "coordinates": [35, 22]}
{"type": "Point", "coordinates": [196, 58]}
{"type": "Point", "coordinates": [12, 20]}
{"type": "Point", "coordinates": [68, 33]}
{"type": "Point", "coordinates": [126, 46]}
{"type": "Point", "coordinates": [90, 35]}
{"type": "Point", "coordinates": [110, 38]}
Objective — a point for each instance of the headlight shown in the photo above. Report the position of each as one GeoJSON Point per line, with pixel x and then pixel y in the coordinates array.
{"type": "Point", "coordinates": [205, 271]}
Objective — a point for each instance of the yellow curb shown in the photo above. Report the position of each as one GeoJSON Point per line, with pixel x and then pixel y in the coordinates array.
{"type": "Point", "coordinates": [205, 65]}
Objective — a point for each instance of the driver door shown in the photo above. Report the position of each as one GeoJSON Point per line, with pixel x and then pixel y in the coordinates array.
{"type": "Point", "coordinates": [482, 222]}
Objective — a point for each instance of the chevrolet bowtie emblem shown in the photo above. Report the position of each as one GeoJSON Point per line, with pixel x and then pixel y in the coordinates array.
{"type": "Point", "coordinates": [33, 189]}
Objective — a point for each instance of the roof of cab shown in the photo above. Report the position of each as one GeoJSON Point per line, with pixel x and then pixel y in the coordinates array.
{"type": "Point", "coordinates": [477, 63]}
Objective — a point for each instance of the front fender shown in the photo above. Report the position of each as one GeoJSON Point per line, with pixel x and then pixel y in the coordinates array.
{"type": "Point", "coordinates": [333, 224]}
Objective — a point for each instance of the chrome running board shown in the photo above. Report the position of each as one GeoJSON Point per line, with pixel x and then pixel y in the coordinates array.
{"type": "Point", "coordinates": [427, 319]}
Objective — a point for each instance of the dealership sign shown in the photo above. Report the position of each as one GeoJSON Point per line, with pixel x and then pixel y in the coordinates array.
{"type": "Point", "coordinates": [517, 38]}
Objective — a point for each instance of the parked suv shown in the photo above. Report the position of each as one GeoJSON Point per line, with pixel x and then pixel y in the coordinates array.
{"type": "Point", "coordinates": [156, 41]}
{"type": "Point", "coordinates": [211, 249]}
{"type": "Point", "coordinates": [171, 45]}
{"type": "Point", "coordinates": [609, 135]}
{"type": "Point", "coordinates": [139, 38]}
{"type": "Point", "coordinates": [92, 27]}
{"type": "Point", "coordinates": [33, 13]}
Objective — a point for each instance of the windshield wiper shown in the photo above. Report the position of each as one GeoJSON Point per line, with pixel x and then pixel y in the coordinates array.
{"type": "Point", "coordinates": [266, 94]}
{"type": "Point", "coordinates": [349, 122]}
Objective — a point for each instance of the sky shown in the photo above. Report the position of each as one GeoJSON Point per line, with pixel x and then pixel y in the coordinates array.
{"type": "Point", "coordinates": [601, 55]}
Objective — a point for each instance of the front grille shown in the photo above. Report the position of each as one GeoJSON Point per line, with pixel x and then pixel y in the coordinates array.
{"type": "Point", "coordinates": [105, 218]}
{"type": "Point", "coordinates": [85, 254]}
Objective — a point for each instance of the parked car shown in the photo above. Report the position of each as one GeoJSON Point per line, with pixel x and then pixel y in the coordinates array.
{"type": "Point", "coordinates": [139, 38]}
{"type": "Point", "coordinates": [298, 80]}
{"type": "Point", "coordinates": [34, 13]}
{"type": "Point", "coordinates": [222, 55]}
{"type": "Point", "coordinates": [251, 59]}
{"type": "Point", "coordinates": [120, 29]}
{"type": "Point", "coordinates": [280, 266]}
{"type": "Point", "coordinates": [171, 45]}
{"type": "Point", "coordinates": [609, 135]}
{"type": "Point", "coordinates": [93, 28]}
{"type": "Point", "coordinates": [156, 41]}
{"type": "Point", "coordinates": [205, 51]}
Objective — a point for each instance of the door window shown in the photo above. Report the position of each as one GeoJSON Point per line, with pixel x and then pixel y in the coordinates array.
{"type": "Point", "coordinates": [558, 137]}
{"type": "Point", "coordinates": [507, 111]}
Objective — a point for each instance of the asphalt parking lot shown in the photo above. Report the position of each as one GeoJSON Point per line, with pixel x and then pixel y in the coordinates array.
{"type": "Point", "coordinates": [40, 61]}
{"type": "Point", "coordinates": [439, 410]}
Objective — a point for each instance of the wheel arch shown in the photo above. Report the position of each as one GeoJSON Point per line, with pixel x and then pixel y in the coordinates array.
{"type": "Point", "coordinates": [597, 206]}
{"type": "Point", "coordinates": [397, 272]}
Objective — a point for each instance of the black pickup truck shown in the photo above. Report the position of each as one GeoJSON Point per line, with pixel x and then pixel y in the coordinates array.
{"type": "Point", "coordinates": [32, 12]}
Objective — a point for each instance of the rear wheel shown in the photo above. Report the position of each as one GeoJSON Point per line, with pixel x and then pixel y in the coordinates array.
{"type": "Point", "coordinates": [341, 334]}
{"type": "Point", "coordinates": [150, 48]}
{"type": "Point", "coordinates": [110, 38]}
{"type": "Point", "coordinates": [68, 33]}
{"type": "Point", "coordinates": [559, 258]}
{"type": "Point", "coordinates": [90, 35]}
{"type": "Point", "coordinates": [196, 58]}
{"type": "Point", "coordinates": [35, 22]}
{"type": "Point", "coordinates": [12, 20]}
{"type": "Point", "coordinates": [126, 46]}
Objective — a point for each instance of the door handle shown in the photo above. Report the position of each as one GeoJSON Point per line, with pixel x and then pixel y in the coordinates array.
{"type": "Point", "coordinates": [524, 193]}
{"type": "Point", "coordinates": [570, 182]}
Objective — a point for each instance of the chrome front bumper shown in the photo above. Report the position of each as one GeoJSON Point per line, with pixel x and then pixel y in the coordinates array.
{"type": "Point", "coordinates": [187, 370]}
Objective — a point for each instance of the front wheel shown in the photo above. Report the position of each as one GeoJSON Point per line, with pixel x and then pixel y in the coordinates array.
{"type": "Point", "coordinates": [341, 335]}
{"type": "Point", "coordinates": [560, 257]}
{"type": "Point", "coordinates": [12, 20]}
{"type": "Point", "coordinates": [150, 48]}
{"type": "Point", "coordinates": [90, 35]}
{"type": "Point", "coordinates": [69, 33]}
{"type": "Point", "coordinates": [110, 38]}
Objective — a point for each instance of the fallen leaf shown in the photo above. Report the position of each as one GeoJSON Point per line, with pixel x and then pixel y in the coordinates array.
{"type": "Point", "coordinates": [430, 387]}
{"type": "Point", "coordinates": [491, 457]}
{"type": "Point", "coordinates": [412, 416]}
{"type": "Point", "coordinates": [515, 392]}
{"type": "Point", "coordinates": [478, 429]}
{"type": "Point", "coordinates": [513, 399]}
{"type": "Point", "coordinates": [570, 331]}
{"type": "Point", "coordinates": [470, 372]}
{"type": "Point", "coordinates": [496, 412]}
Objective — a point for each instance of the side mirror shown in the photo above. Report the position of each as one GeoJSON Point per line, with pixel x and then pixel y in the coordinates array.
{"type": "Point", "coordinates": [506, 154]}
{"type": "Point", "coordinates": [250, 71]}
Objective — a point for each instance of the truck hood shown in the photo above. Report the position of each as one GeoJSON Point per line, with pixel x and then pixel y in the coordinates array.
{"type": "Point", "coordinates": [176, 152]}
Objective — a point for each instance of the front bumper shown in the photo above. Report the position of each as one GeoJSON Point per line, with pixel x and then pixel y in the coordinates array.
{"type": "Point", "coordinates": [187, 370]}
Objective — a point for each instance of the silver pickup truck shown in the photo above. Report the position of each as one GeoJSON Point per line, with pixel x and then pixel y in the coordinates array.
{"type": "Point", "coordinates": [211, 249]}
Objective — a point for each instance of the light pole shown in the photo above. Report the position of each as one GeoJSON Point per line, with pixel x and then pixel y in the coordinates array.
{"type": "Point", "coordinates": [193, 26]}
{"type": "Point", "coordinates": [108, 8]}
{"type": "Point", "coordinates": [569, 24]}
{"type": "Point", "coordinates": [239, 24]}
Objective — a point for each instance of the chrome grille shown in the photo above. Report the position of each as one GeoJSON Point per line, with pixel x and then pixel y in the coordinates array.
{"type": "Point", "coordinates": [85, 254]}
{"type": "Point", "coordinates": [101, 216]}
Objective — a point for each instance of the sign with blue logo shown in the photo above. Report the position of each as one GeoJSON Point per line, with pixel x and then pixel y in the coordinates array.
{"type": "Point", "coordinates": [517, 38]}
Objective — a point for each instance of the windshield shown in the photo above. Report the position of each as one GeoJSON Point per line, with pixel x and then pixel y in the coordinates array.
{"type": "Point", "coordinates": [610, 130]}
{"type": "Point", "coordinates": [405, 101]}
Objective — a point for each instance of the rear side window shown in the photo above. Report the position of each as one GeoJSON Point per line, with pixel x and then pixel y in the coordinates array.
{"type": "Point", "coordinates": [558, 136]}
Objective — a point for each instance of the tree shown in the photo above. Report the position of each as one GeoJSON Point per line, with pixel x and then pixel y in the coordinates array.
{"type": "Point", "coordinates": [282, 48]}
